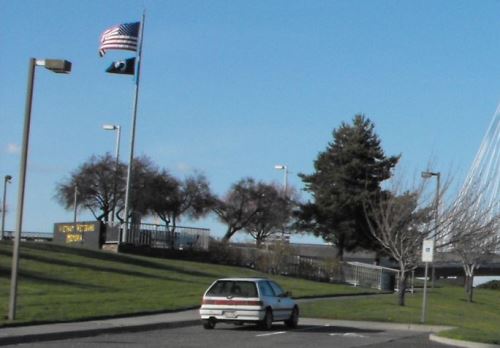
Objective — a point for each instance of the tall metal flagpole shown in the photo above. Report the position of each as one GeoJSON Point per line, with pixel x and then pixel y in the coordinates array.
{"type": "Point", "coordinates": [132, 137]}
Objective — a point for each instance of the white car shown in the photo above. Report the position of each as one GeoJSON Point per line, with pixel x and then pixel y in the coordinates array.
{"type": "Point", "coordinates": [248, 300]}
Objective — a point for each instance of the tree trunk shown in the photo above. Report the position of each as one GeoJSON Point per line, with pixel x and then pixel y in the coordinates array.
{"type": "Point", "coordinates": [466, 284]}
{"type": "Point", "coordinates": [339, 255]}
{"type": "Point", "coordinates": [258, 243]}
{"type": "Point", "coordinates": [228, 235]}
{"type": "Point", "coordinates": [470, 289]}
{"type": "Point", "coordinates": [402, 288]}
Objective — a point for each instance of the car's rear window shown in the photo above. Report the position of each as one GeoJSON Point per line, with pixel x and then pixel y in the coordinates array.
{"type": "Point", "coordinates": [234, 288]}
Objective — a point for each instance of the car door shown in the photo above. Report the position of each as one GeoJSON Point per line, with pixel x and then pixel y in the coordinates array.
{"type": "Point", "coordinates": [284, 304]}
{"type": "Point", "coordinates": [267, 295]}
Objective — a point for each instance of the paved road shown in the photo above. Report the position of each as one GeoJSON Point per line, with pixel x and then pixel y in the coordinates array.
{"type": "Point", "coordinates": [309, 334]}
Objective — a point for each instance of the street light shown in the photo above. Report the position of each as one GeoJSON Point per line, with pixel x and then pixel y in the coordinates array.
{"type": "Point", "coordinates": [117, 128]}
{"type": "Point", "coordinates": [57, 66]}
{"type": "Point", "coordinates": [285, 181]}
{"type": "Point", "coordinates": [284, 168]}
{"type": "Point", "coordinates": [428, 175]}
{"type": "Point", "coordinates": [6, 181]}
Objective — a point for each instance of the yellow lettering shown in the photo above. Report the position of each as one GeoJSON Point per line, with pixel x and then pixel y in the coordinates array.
{"type": "Point", "coordinates": [79, 228]}
{"type": "Point", "coordinates": [85, 228]}
{"type": "Point", "coordinates": [73, 238]}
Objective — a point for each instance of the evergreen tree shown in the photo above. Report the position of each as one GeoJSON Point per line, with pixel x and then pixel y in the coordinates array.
{"type": "Point", "coordinates": [347, 173]}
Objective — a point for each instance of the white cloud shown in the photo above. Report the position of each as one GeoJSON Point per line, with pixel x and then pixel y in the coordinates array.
{"type": "Point", "coordinates": [13, 149]}
{"type": "Point", "coordinates": [184, 168]}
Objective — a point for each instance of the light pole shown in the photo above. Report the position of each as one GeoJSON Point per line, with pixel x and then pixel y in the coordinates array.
{"type": "Point", "coordinates": [57, 66]}
{"type": "Point", "coordinates": [285, 180]}
{"type": "Point", "coordinates": [6, 181]}
{"type": "Point", "coordinates": [427, 175]}
{"type": "Point", "coordinates": [284, 168]}
{"type": "Point", "coordinates": [117, 128]}
{"type": "Point", "coordinates": [75, 212]}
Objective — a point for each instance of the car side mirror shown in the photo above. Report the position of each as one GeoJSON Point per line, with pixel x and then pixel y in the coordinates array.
{"type": "Point", "coordinates": [287, 294]}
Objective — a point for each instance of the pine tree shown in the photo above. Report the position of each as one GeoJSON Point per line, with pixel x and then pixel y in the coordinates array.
{"type": "Point", "coordinates": [347, 173]}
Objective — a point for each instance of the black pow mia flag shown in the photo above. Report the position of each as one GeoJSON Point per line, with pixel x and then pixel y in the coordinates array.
{"type": "Point", "coordinates": [126, 66]}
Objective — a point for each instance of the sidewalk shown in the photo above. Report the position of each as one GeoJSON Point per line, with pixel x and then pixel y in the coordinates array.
{"type": "Point", "coordinates": [47, 332]}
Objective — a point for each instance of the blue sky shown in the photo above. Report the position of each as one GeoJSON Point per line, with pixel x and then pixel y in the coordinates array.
{"type": "Point", "coordinates": [231, 88]}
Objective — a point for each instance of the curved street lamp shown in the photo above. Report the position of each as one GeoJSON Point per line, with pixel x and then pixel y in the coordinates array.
{"type": "Point", "coordinates": [117, 128]}
{"type": "Point", "coordinates": [58, 66]}
{"type": "Point", "coordinates": [285, 180]}
{"type": "Point", "coordinates": [428, 175]}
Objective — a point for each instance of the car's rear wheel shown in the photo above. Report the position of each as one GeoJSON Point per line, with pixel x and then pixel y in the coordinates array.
{"type": "Point", "coordinates": [293, 321]}
{"type": "Point", "coordinates": [267, 322]}
{"type": "Point", "coordinates": [209, 324]}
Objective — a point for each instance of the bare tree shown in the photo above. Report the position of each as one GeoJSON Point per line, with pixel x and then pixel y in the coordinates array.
{"type": "Point", "coordinates": [395, 221]}
{"type": "Point", "coordinates": [144, 172]}
{"type": "Point", "coordinates": [474, 235]}
{"type": "Point", "coordinates": [274, 213]}
{"type": "Point", "coordinates": [171, 199]}
{"type": "Point", "coordinates": [239, 206]}
{"type": "Point", "coordinates": [401, 221]}
{"type": "Point", "coordinates": [95, 182]}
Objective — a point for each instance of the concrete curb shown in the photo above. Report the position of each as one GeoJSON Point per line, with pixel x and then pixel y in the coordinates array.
{"type": "Point", "coordinates": [459, 343]}
{"type": "Point", "coordinates": [376, 325]}
{"type": "Point", "coordinates": [65, 333]}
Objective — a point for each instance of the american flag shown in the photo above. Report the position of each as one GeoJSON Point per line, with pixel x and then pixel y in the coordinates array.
{"type": "Point", "coordinates": [120, 37]}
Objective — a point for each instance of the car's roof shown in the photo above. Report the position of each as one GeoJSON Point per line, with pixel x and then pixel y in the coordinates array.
{"type": "Point", "coordinates": [248, 279]}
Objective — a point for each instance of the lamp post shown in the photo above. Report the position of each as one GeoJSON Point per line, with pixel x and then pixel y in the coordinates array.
{"type": "Point", "coordinates": [427, 175]}
{"type": "Point", "coordinates": [6, 181]}
{"type": "Point", "coordinates": [57, 66]}
{"type": "Point", "coordinates": [285, 180]}
{"type": "Point", "coordinates": [117, 128]}
{"type": "Point", "coordinates": [284, 168]}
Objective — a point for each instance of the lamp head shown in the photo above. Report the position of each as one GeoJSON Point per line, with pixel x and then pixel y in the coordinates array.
{"type": "Point", "coordinates": [279, 166]}
{"type": "Point", "coordinates": [109, 126]}
{"type": "Point", "coordinates": [59, 66]}
{"type": "Point", "coordinates": [8, 178]}
{"type": "Point", "coordinates": [427, 175]}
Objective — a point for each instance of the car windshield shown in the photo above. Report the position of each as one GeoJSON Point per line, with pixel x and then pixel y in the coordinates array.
{"type": "Point", "coordinates": [234, 288]}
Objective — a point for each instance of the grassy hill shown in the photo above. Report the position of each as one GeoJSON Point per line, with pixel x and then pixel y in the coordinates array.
{"type": "Point", "coordinates": [58, 283]}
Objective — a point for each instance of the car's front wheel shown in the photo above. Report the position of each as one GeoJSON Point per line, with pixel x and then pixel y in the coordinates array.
{"type": "Point", "coordinates": [293, 321]}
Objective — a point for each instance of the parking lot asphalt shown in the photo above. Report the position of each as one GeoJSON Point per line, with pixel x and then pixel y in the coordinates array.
{"type": "Point", "coordinates": [324, 332]}
{"type": "Point", "coordinates": [311, 332]}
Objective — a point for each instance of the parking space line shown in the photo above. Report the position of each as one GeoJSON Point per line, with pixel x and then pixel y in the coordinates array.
{"type": "Point", "coordinates": [347, 334]}
{"type": "Point", "coordinates": [271, 334]}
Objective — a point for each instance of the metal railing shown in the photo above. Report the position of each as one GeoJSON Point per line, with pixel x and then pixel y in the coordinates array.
{"type": "Point", "coordinates": [371, 276]}
{"type": "Point", "coordinates": [32, 236]}
{"type": "Point", "coordinates": [165, 237]}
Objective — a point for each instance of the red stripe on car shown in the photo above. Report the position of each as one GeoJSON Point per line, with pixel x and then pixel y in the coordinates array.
{"type": "Point", "coordinates": [232, 302]}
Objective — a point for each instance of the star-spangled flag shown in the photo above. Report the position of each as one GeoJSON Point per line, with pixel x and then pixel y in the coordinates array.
{"type": "Point", "coordinates": [126, 67]}
{"type": "Point", "coordinates": [120, 37]}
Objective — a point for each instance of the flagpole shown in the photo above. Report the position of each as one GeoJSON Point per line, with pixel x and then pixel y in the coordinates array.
{"type": "Point", "coordinates": [132, 137]}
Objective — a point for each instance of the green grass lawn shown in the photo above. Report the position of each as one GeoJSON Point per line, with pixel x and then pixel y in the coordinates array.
{"type": "Point", "coordinates": [478, 321]}
{"type": "Point", "coordinates": [58, 283]}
